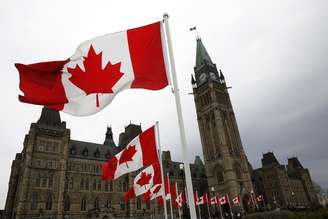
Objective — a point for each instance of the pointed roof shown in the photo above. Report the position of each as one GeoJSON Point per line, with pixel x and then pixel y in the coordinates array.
{"type": "Point", "coordinates": [49, 117]}
{"type": "Point", "coordinates": [202, 56]}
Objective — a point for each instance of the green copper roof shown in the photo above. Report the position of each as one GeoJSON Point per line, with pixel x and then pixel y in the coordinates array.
{"type": "Point", "coordinates": [202, 56]}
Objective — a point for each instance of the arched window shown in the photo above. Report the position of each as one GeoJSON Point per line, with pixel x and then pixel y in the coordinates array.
{"type": "Point", "coordinates": [67, 203]}
{"type": "Point", "coordinates": [85, 152]}
{"type": "Point", "coordinates": [96, 203]}
{"type": "Point", "coordinates": [49, 202]}
{"type": "Point", "coordinates": [238, 171]}
{"type": "Point", "coordinates": [34, 201]}
{"type": "Point", "coordinates": [220, 174]}
{"type": "Point", "coordinates": [97, 153]}
{"type": "Point", "coordinates": [94, 185]}
{"type": "Point", "coordinates": [83, 205]}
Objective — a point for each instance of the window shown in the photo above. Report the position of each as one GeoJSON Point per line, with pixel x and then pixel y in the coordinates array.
{"type": "Point", "coordinates": [67, 203]}
{"type": "Point", "coordinates": [122, 205]}
{"type": "Point", "coordinates": [38, 181]}
{"type": "Point", "coordinates": [49, 202]}
{"type": "Point", "coordinates": [96, 203]}
{"type": "Point", "coordinates": [220, 175]}
{"type": "Point", "coordinates": [83, 205]}
{"type": "Point", "coordinates": [138, 204]}
{"type": "Point", "coordinates": [97, 153]}
{"type": "Point", "coordinates": [94, 185]}
{"type": "Point", "coordinates": [35, 200]}
{"type": "Point", "coordinates": [148, 205]}
{"type": "Point", "coordinates": [111, 186]}
{"type": "Point", "coordinates": [51, 181]}
{"type": "Point", "coordinates": [85, 152]}
{"type": "Point", "coordinates": [108, 204]}
{"type": "Point", "coordinates": [44, 181]}
{"type": "Point", "coordinates": [87, 184]}
{"type": "Point", "coordinates": [82, 184]}
{"type": "Point", "coordinates": [106, 186]}
{"type": "Point", "coordinates": [99, 185]}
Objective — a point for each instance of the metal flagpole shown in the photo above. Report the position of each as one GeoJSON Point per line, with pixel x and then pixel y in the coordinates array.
{"type": "Point", "coordinates": [198, 205]}
{"type": "Point", "coordinates": [208, 208]}
{"type": "Point", "coordinates": [169, 191]}
{"type": "Point", "coordinates": [180, 120]}
{"type": "Point", "coordinates": [220, 208]}
{"type": "Point", "coordinates": [176, 194]}
{"type": "Point", "coordinates": [161, 165]}
{"type": "Point", "coordinates": [230, 206]}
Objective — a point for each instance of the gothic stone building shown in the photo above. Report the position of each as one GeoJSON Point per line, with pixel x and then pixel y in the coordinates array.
{"type": "Point", "coordinates": [284, 186]}
{"type": "Point", "coordinates": [57, 177]}
{"type": "Point", "coordinates": [226, 164]}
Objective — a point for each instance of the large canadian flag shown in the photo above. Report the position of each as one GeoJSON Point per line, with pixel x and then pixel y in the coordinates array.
{"type": "Point", "coordinates": [144, 181]}
{"type": "Point", "coordinates": [98, 70]}
{"type": "Point", "coordinates": [140, 152]}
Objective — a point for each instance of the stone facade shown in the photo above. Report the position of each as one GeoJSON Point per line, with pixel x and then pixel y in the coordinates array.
{"type": "Point", "coordinates": [284, 186]}
{"type": "Point", "coordinates": [57, 177]}
{"type": "Point", "coordinates": [225, 160]}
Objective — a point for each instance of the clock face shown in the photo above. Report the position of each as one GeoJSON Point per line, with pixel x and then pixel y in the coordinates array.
{"type": "Point", "coordinates": [212, 75]}
{"type": "Point", "coordinates": [203, 77]}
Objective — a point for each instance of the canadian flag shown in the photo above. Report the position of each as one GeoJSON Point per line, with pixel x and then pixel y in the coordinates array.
{"type": "Point", "coordinates": [173, 192]}
{"type": "Point", "coordinates": [213, 200]}
{"type": "Point", "coordinates": [180, 199]}
{"type": "Point", "coordinates": [140, 152]}
{"type": "Point", "coordinates": [199, 200]}
{"type": "Point", "coordinates": [144, 181]}
{"type": "Point", "coordinates": [223, 200]}
{"type": "Point", "coordinates": [99, 69]}
{"type": "Point", "coordinates": [236, 200]}
{"type": "Point", "coordinates": [155, 192]}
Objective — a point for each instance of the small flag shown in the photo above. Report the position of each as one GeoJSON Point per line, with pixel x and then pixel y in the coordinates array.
{"type": "Point", "coordinates": [140, 152]}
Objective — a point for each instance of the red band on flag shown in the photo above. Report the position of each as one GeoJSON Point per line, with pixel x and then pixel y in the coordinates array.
{"type": "Point", "coordinates": [146, 52]}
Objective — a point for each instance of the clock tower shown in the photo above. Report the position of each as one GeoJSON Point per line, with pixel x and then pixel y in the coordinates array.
{"type": "Point", "coordinates": [226, 164]}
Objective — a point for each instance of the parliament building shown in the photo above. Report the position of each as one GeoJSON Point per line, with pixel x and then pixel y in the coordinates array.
{"type": "Point", "coordinates": [57, 177]}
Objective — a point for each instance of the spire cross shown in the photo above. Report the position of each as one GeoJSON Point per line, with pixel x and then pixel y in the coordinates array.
{"type": "Point", "coordinates": [195, 29]}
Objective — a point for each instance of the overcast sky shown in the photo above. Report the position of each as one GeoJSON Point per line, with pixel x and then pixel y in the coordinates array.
{"type": "Point", "coordinates": [273, 54]}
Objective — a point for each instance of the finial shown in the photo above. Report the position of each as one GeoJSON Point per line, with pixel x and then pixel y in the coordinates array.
{"type": "Point", "coordinates": [195, 29]}
{"type": "Point", "coordinates": [165, 15]}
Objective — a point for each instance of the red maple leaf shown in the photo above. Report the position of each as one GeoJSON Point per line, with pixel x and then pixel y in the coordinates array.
{"type": "Point", "coordinates": [157, 189]}
{"type": "Point", "coordinates": [127, 155]}
{"type": "Point", "coordinates": [144, 179]}
{"type": "Point", "coordinates": [94, 79]}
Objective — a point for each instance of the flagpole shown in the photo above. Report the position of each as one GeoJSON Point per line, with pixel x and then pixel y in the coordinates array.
{"type": "Point", "coordinates": [176, 194]}
{"type": "Point", "coordinates": [161, 165]}
{"type": "Point", "coordinates": [198, 205]}
{"type": "Point", "coordinates": [230, 206]}
{"type": "Point", "coordinates": [180, 120]}
{"type": "Point", "coordinates": [208, 208]}
{"type": "Point", "coordinates": [220, 208]}
{"type": "Point", "coordinates": [169, 192]}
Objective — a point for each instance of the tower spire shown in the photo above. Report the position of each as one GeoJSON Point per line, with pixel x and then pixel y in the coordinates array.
{"type": "Point", "coordinates": [202, 56]}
